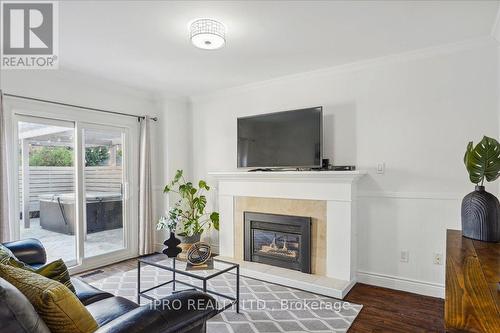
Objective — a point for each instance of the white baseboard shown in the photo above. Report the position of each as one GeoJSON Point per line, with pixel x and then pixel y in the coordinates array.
{"type": "Point", "coordinates": [351, 284]}
{"type": "Point", "coordinates": [381, 280]}
{"type": "Point", "coordinates": [398, 283]}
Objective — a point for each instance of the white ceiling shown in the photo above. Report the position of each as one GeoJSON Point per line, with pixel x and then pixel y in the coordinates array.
{"type": "Point", "coordinates": [145, 43]}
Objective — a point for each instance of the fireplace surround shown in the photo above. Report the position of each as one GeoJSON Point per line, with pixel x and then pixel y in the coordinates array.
{"type": "Point", "coordinates": [329, 197]}
{"type": "Point", "coordinates": [278, 240]}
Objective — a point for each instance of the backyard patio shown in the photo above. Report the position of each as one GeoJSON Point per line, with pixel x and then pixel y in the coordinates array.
{"type": "Point", "coordinates": [62, 246]}
{"type": "Point", "coordinates": [47, 189]}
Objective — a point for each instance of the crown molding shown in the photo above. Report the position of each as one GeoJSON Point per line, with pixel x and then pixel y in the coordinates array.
{"type": "Point", "coordinates": [70, 72]}
{"type": "Point", "coordinates": [154, 95]}
{"type": "Point", "coordinates": [484, 41]}
{"type": "Point", "coordinates": [166, 97]}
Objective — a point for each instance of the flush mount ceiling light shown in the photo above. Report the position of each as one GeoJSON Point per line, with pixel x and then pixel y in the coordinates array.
{"type": "Point", "coordinates": [207, 34]}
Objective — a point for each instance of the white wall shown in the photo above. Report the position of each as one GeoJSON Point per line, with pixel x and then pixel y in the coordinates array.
{"type": "Point", "coordinates": [414, 112]}
{"type": "Point", "coordinates": [77, 88]}
{"type": "Point", "coordinates": [174, 151]}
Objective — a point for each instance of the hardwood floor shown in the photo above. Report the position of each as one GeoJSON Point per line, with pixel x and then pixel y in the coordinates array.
{"type": "Point", "coordinates": [387, 310]}
{"type": "Point", "coordinates": [384, 310]}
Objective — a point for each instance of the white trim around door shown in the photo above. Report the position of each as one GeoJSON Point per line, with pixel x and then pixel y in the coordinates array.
{"type": "Point", "coordinates": [21, 110]}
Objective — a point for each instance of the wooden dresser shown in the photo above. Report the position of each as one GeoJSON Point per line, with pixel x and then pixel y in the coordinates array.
{"type": "Point", "coordinates": [472, 302]}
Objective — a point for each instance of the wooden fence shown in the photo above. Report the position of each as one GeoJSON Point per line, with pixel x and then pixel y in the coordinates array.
{"type": "Point", "coordinates": [53, 180]}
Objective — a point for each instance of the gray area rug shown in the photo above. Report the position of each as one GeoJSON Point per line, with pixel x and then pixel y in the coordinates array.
{"type": "Point", "coordinates": [264, 307]}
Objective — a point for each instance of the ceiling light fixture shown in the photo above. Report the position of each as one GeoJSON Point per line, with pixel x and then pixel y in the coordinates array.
{"type": "Point", "coordinates": [207, 34]}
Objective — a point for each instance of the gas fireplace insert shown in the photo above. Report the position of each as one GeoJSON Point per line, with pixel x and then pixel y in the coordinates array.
{"type": "Point", "coordinates": [278, 240]}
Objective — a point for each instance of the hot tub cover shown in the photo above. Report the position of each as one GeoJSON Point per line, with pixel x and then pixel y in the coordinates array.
{"type": "Point", "coordinates": [69, 198]}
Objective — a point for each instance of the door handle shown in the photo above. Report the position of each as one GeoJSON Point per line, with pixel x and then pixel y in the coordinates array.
{"type": "Point", "coordinates": [125, 190]}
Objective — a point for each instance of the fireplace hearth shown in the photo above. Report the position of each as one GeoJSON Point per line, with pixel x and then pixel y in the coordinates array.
{"type": "Point", "coordinates": [278, 240]}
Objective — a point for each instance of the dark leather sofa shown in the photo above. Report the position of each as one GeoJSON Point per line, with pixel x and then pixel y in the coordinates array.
{"type": "Point", "coordinates": [113, 314]}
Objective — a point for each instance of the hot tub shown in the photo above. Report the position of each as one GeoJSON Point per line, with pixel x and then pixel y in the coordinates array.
{"type": "Point", "coordinates": [58, 212]}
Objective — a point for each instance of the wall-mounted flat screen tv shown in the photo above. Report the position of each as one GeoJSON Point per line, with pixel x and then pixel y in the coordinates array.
{"type": "Point", "coordinates": [288, 139]}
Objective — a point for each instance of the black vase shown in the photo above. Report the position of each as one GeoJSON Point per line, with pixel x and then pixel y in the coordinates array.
{"type": "Point", "coordinates": [172, 249]}
{"type": "Point", "coordinates": [480, 216]}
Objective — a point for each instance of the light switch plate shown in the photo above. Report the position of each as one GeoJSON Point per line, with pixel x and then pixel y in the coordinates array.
{"type": "Point", "coordinates": [405, 256]}
{"type": "Point", "coordinates": [381, 168]}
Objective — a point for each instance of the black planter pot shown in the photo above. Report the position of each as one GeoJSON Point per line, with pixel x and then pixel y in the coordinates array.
{"type": "Point", "coordinates": [480, 216]}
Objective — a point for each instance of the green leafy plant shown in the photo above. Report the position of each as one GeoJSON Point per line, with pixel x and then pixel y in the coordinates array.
{"type": "Point", "coordinates": [95, 156]}
{"type": "Point", "coordinates": [483, 160]}
{"type": "Point", "coordinates": [188, 212]}
{"type": "Point", "coordinates": [51, 156]}
{"type": "Point", "coordinates": [63, 156]}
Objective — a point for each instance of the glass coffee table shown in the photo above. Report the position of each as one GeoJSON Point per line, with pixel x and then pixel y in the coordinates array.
{"type": "Point", "coordinates": [178, 267]}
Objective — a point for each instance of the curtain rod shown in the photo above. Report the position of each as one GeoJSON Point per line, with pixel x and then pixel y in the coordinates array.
{"type": "Point", "coordinates": [79, 106]}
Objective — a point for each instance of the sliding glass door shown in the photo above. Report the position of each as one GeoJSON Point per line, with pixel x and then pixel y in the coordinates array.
{"type": "Point", "coordinates": [74, 183]}
{"type": "Point", "coordinates": [46, 191]}
{"type": "Point", "coordinates": [105, 184]}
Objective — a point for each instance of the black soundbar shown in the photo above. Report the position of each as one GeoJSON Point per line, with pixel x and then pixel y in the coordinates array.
{"type": "Point", "coordinates": [343, 168]}
{"type": "Point", "coordinates": [330, 168]}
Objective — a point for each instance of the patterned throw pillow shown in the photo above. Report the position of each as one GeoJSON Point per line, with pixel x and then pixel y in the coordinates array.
{"type": "Point", "coordinates": [59, 308]}
{"type": "Point", "coordinates": [55, 270]}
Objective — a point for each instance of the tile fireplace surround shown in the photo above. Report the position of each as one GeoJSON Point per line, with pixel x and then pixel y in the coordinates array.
{"type": "Point", "coordinates": [328, 197]}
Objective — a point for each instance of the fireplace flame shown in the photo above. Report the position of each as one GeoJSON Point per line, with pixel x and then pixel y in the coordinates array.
{"type": "Point", "coordinates": [275, 250]}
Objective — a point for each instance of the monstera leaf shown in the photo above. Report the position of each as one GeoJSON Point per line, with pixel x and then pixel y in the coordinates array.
{"type": "Point", "coordinates": [483, 161]}
{"type": "Point", "coordinates": [190, 209]}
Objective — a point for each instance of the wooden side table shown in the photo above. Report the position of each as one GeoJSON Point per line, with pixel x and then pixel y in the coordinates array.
{"type": "Point", "coordinates": [472, 301]}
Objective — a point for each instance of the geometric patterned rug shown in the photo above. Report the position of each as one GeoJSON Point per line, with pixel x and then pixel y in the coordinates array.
{"type": "Point", "coordinates": [264, 307]}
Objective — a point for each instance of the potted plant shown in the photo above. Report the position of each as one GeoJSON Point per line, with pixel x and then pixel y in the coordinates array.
{"type": "Point", "coordinates": [480, 209]}
{"type": "Point", "coordinates": [187, 217]}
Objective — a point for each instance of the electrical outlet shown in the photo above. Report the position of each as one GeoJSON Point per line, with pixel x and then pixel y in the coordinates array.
{"type": "Point", "coordinates": [438, 258]}
{"type": "Point", "coordinates": [381, 168]}
{"type": "Point", "coordinates": [405, 256]}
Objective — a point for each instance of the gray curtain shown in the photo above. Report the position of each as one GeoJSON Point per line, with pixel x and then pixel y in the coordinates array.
{"type": "Point", "coordinates": [146, 228]}
{"type": "Point", "coordinates": [4, 185]}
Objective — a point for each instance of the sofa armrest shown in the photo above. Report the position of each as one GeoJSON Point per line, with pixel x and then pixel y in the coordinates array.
{"type": "Point", "coordinates": [178, 313]}
{"type": "Point", "coordinates": [29, 251]}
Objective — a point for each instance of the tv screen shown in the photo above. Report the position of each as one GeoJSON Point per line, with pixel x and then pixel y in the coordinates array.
{"type": "Point", "coordinates": [280, 140]}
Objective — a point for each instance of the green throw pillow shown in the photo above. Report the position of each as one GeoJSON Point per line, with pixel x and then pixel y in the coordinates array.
{"type": "Point", "coordinates": [55, 270]}
{"type": "Point", "coordinates": [59, 308]}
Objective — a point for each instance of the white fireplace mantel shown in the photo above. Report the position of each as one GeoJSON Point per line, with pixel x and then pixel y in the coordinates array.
{"type": "Point", "coordinates": [337, 188]}
{"type": "Point", "coordinates": [332, 175]}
